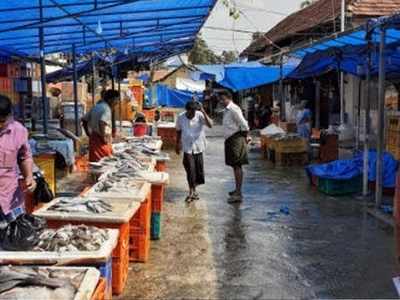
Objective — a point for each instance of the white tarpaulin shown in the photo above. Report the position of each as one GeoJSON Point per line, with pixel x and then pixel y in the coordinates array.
{"type": "Point", "coordinates": [186, 84]}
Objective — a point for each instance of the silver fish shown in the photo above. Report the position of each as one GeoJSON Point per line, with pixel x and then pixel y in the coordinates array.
{"type": "Point", "coordinates": [35, 283]}
{"type": "Point", "coordinates": [79, 204]}
{"type": "Point", "coordinates": [72, 238]}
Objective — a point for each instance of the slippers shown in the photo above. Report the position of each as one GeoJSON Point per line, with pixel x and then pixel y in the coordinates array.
{"type": "Point", "coordinates": [189, 199]}
{"type": "Point", "coordinates": [195, 196]}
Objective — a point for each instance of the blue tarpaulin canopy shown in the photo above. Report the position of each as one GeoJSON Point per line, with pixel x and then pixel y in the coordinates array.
{"type": "Point", "coordinates": [174, 98]}
{"type": "Point", "coordinates": [237, 77]}
{"type": "Point", "coordinates": [141, 26]}
{"type": "Point", "coordinates": [348, 51]}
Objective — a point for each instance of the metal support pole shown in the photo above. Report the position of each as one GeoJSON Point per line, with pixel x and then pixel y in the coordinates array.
{"type": "Point", "coordinates": [113, 125]}
{"type": "Point", "coordinates": [381, 119]}
{"type": "Point", "coordinates": [43, 71]}
{"type": "Point", "coordinates": [281, 96]}
{"type": "Point", "coordinates": [93, 80]}
{"type": "Point", "coordinates": [367, 125]}
{"type": "Point", "coordinates": [358, 117]}
{"type": "Point", "coordinates": [120, 105]}
{"type": "Point", "coordinates": [342, 29]}
{"type": "Point", "coordinates": [317, 104]}
{"type": "Point", "coordinates": [75, 84]}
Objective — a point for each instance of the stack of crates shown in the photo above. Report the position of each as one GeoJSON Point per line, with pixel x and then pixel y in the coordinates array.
{"type": "Point", "coordinates": [393, 136]}
{"type": "Point", "coordinates": [157, 192]}
{"type": "Point", "coordinates": [139, 232]}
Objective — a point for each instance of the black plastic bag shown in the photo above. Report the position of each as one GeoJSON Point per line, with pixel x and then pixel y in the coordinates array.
{"type": "Point", "coordinates": [43, 192]}
{"type": "Point", "coordinates": [22, 234]}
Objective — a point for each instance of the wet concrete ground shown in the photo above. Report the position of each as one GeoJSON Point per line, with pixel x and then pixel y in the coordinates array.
{"type": "Point", "coordinates": [325, 247]}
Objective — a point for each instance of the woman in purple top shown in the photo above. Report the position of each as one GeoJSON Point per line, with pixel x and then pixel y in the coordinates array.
{"type": "Point", "coordinates": [14, 152]}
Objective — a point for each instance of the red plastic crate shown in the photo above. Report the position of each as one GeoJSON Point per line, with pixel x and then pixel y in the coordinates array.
{"type": "Point", "coordinates": [140, 222]}
{"type": "Point", "coordinates": [161, 166]}
{"type": "Point", "coordinates": [99, 293]}
{"type": "Point", "coordinates": [120, 253]}
{"type": "Point", "coordinates": [120, 273]}
{"type": "Point", "coordinates": [139, 248]}
{"type": "Point", "coordinates": [82, 163]}
{"type": "Point", "coordinates": [157, 198]}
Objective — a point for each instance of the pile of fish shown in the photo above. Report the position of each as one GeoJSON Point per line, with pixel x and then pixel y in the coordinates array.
{"type": "Point", "coordinates": [43, 283]}
{"type": "Point", "coordinates": [72, 238]}
{"type": "Point", "coordinates": [83, 205]}
{"type": "Point", "coordinates": [127, 159]}
{"type": "Point", "coordinates": [116, 181]}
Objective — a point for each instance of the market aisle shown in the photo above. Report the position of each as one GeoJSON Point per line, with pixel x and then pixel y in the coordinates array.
{"type": "Point", "coordinates": [324, 247]}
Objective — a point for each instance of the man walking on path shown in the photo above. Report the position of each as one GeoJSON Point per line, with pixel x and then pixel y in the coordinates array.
{"type": "Point", "coordinates": [236, 131]}
{"type": "Point", "coordinates": [191, 138]}
{"type": "Point", "coordinates": [97, 126]}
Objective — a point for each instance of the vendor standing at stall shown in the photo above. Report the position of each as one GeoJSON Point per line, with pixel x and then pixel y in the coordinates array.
{"type": "Point", "coordinates": [303, 120]}
{"type": "Point", "coordinates": [97, 124]}
{"type": "Point", "coordinates": [14, 152]}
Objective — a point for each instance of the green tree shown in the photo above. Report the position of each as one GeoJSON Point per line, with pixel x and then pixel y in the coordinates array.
{"type": "Point", "coordinates": [201, 54]}
{"type": "Point", "coordinates": [228, 57]}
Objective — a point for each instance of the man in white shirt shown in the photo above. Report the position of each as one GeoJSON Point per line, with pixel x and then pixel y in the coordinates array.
{"type": "Point", "coordinates": [191, 138]}
{"type": "Point", "coordinates": [236, 131]}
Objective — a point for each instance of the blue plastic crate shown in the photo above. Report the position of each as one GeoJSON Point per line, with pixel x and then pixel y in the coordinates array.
{"type": "Point", "coordinates": [155, 226]}
{"type": "Point", "coordinates": [106, 272]}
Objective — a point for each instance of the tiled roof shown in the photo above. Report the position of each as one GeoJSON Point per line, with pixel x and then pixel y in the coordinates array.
{"type": "Point", "coordinates": [374, 7]}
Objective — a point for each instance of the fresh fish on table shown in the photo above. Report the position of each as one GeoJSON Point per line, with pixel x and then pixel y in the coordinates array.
{"type": "Point", "coordinates": [35, 283]}
{"type": "Point", "coordinates": [84, 205]}
{"type": "Point", "coordinates": [115, 182]}
{"type": "Point", "coordinates": [38, 283]}
{"type": "Point", "coordinates": [72, 238]}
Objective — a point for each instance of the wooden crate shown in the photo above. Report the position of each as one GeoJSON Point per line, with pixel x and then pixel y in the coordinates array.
{"type": "Point", "coordinates": [289, 146]}
{"type": "Point", "coordinates": [291, 159]}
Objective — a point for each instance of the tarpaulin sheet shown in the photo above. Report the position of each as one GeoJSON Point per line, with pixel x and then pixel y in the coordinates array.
{"type": "Point", "coordinates": [242, 76]}
{"type": "Point", "coordinates": [174, 98]}
{"type": "Point", "coordinates": [348, 169]}
{"type": "Point", "coordinates": [390, 166]}
{"type": "Point", "coordinates": [348, 51]}
{"type": "Point", "coordinates": [351, 60]}
{"type": "Point", "coordinates": [152, 26]}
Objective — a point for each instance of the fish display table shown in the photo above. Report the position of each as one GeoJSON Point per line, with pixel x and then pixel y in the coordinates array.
{"type": "Point", "coordinates": [122, 212]}
{"type": "Point", "coordinates": [61, 258]}
{"type": "Point", "coordinates": [134, 190]}
{"type": "Point", "coordinates": [66, 286]}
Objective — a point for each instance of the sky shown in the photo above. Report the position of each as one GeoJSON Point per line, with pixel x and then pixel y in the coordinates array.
{"type": "Point", "coordinates": [257, 15]}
